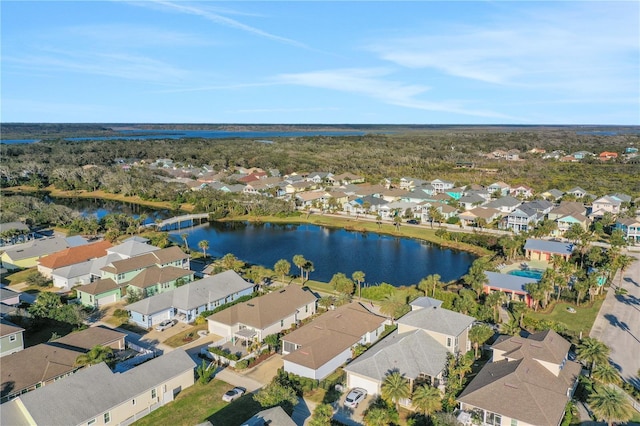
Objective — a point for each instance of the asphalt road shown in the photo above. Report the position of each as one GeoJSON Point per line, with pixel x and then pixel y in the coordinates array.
{"type": "Point", "coordinates": [618, 324]}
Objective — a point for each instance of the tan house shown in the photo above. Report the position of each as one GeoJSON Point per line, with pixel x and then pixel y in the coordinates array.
{"type": "Point", "coordinates": [529, 382]}
{"type": "Point", "coordinates": [417, 349]}
{"type": "Point", "coordinates": [318, 348]}
{"type": "Point", "coordinates": [98, 396]}
{"type": "Point", "coordinates": [261, 316]}
{"type": "Point", "coordinates": [473, 216]}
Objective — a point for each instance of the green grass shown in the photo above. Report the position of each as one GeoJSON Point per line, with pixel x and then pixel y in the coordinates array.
{"type": "Point", "coordinates": [581, 321]}
{"type": "Point", "coordinates": [19, 277]}
{"type": "Point", "coordinates": [178, 340]}
{"type": "Point", "coordinates": [199, 403]}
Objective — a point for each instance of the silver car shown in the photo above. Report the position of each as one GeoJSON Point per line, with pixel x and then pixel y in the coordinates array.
{"type": "Point", "coordinates": [234, 393]}
{"type": "Point", "coordinates": [355, 397]}
{"type": "Point", "coordinates": [164, 325]}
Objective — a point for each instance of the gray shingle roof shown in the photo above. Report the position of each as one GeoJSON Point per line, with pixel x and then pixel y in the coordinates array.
{"type": "Point", "coordinates": [507, 282]}
{"type": "Point", "coordinates": [409, 353]}
{"type": "Point", "coordinates": [92, 391]}
{"type": "Point", "coordinates": [438, 320]}
{"type": "Point", "coordinates": [37, 248]}
{"type": "Point", "coordinates": [554, 247]}
{"type": "Point", "coordinates": [275, 416]}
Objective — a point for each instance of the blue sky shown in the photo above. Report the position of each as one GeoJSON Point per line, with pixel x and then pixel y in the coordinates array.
{"type": "Point", "coordinates": [335, 62]}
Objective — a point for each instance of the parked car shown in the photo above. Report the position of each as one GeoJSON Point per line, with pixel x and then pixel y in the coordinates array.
{"type": "Point", "coordinates": [412, 222]}
{"type": "Point", "coordinates": [355, 397]}
{"type": "Point", "coordinates": [234, 393]}
{"type": "Point", "coordinates": [164, 325]}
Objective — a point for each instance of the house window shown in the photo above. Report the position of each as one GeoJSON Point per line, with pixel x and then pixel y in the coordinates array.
{"type": "Point", "coordinates": [493, 419]}
{"type": "Point", "coordinates": [448, 342]}
{"type": "Point", "coordinates": [281, 323]}
{"type": "Point", "coordinates": [107, 417]}
{"type": "Point", "coordinates": [133, 402]}
{"type": "Point", "coordinates": [306, 308]}
{"type": "Point", "coordinates": [12, 338]}
{"type": "Point", "coordinates": [154, 394]}
{"type": "Point", "coordinates": [91, 422]}
{"type": "Point", "coordinates": [120, 277]}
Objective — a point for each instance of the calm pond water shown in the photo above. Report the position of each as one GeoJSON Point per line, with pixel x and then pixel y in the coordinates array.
{"type": "Point", "coordinates": [396, 261]}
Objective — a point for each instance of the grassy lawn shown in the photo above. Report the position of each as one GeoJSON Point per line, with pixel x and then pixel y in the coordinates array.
{"type": "Point", "coordinates": [18, 277]}
{"type": "Point", "coordinates": [200, 403]}
{"type": "Point", "coordinates": [178, 340]}
{"type": "Point", "coordinates": [581, 321]}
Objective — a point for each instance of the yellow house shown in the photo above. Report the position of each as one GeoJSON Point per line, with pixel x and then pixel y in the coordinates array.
{"type": "Point", "coordinates": [26, 255]}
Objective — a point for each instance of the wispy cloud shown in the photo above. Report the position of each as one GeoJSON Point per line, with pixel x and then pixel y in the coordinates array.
{"type": "Point", "coordinates": [217, 18]}
{"type": "Point", "coordinates": [127, 35]}
{"type": "Point", "coordinates": [583, 48]}
{"type": "Point", "coordinates": [373, 84]}
{"type": "Point", "coordinates": [119, 65]}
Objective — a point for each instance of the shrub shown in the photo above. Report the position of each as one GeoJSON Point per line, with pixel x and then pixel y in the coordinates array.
{"type": "Point", "coordinates": [224, 353]}
{"type": "Point", "coordinates": [241, 365]}
{"type": "Point", "coordinates": [121, 313]}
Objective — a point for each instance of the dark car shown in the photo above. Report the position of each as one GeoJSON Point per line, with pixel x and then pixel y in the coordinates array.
{"type": "Point", "coordinates": [412, 222]}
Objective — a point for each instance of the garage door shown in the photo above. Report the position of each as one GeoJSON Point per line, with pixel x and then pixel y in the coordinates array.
{"type": "Point", "coordinates": [106, 300]}
{"type": "Point", "coordinates": [369, 385]}
{"type": "Point", "coordinates": [159, 317]}
{"type": "Point", "coordinates": [219, 329]}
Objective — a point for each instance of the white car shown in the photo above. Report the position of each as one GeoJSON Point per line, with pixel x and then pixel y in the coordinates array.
{"type": "Point", "coordinates": [164, 325]}
{"type": "Point", "coordinates": [355, 397]}
{"type": "Point", "coordinates": [234, 393]}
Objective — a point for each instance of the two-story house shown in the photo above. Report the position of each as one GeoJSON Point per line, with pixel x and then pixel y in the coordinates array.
{"type": "Point", "coordinates": [417, 349]}
{"type": "Point", "coordinates": [528, 382]}
{"type": "Point", "coordinates": [630, 227]}
{"type": "Point", "coordinates": [11, 338]}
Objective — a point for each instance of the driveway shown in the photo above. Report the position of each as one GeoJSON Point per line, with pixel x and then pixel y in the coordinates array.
{"type": "Point", "coordinates": [618, 323]}
{"type": "Point", "coordinates": [266, 370]}
{"type": "Point", "coordinates": [235, 379]}
{"type": "Point", "coordinates": [350, 416]}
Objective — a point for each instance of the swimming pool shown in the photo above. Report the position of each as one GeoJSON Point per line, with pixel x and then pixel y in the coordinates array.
{"type": "Point", "coordinates": [529, 273]}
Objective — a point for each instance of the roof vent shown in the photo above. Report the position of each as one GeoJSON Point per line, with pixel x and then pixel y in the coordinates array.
{"type": "Point", "coordinates": [251, 304]}
{"type": "Point", "coordinates": [510, 385]}
{"type": "Point", "coordinates": [282, 291]}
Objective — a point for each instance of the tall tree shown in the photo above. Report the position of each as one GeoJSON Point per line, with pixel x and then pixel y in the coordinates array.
{"type": "Point", "coordinates": [431, 282]}
{"type": "Point", "coordinates": [204, 245]}
{"type": "Point", "coordinates": [321, 415]}
{"type": "Point", "coordinates": [394, 388]}
{"type": "Point", "coordinates": [479, 334]}
{"type": "Point", "coordinates": [427, 399]}
{"type": "Point", "coordinates": [341, 283]}
{"type": "Point", "coordinates": [605, 374]}
{"type": "Point", "coordinates": [511, 328]}
{"type": "Point", "coordinates": [623, 263]}
{"type": "Point", "coordinates": [394, 305]}
{"type": "Point", "coordinates": [610, 405]}
{"type": "Point", "coordinates": [282, 268]}
{"type": "Point", "coordinates": [593, 352]}
{"type": "Point", "coordinates": [358, 277]}
{"type": "Point", "coordinates": [300, 261]}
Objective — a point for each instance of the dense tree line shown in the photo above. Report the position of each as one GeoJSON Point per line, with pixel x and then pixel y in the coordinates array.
{"type": "Point", "coordinates": [421, 154]}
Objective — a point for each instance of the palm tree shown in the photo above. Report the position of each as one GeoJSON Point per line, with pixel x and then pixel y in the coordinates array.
{"type": "Point", "coordinates": [478, 335]}
{"type": "Point", "coordinates": [593, 351]}
{"type": "Point", "coordinates": [610, 405]}
{"type": "Point", "coordinates": [300, 261]}
{"type": "Point", "coordinates": [322, 415]}
{"type": "Point", "coordinates": [377, 416]}
{"type": "Point", "coordinates": [463, 366]}
{"type": "Point", "coordinates": [204, 245]}
{"type": "Point", "coordinates": [606, 374]}
{"type": "Point", "coordinates": [282, 268]}
{"type": "Point", "coordinates": [623, 262]}
{"type": "Point", "coordinates": [358, 277]}
{"type": "Point", "coordinates": [186, 243]}
{"type": "Point", "coordinates": [96, 355]}
{"type": "Point", "coordinates": [394, 305]}
{"type": "Point", "coordinates": [394, 388]}
{"type": "Point", "coordinates": [308, 268]}
{"type": "Point", "coordinates": [427, 399]}
{"type": "Point", "coordinates": [511, 328]}
{"type": "Point", "coordinates": [431, 282]}
{"type": "Point", "coordinates": [494, 300]}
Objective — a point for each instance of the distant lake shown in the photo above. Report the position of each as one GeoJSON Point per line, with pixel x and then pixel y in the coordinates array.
{"type": "Point", "coordinates": [396, 261]}
{"type": "Point", "coordinates": [146, 134]}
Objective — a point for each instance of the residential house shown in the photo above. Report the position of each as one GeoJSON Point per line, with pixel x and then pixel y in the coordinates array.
{"type": "Point", "coordinates": [528, 382]}
{"type": "Point", "coordinates": [577, 192]}
{"type": "Point", "coordinates": [275, 416]}
{"type": "Point", "coordinates": [155, 280]}
{"type": "Point", "coordinates": [397, 208]}
{"type": "Point", "coordinates": [606, 204]}
{"type": "Point", "coordinates": [132, 247]}
{"type": "Point", "coordinates": [14, 233]}
{"type": "Point", "coordinates": [511, 285]}
{"type": "Point", "coordinates": [630, 227]}
{"type": "Point", "coordinates": [72, 256]}
{"type": "Point", "coordinates": [543, 207]}
{"type": "Point", "coordinates": [580, 155]}
{"type": "Point", "coordinates": [506, 204]}
{"type": "Point", "coordinates": [347, 178]}
{"type": "Point", "coordinates": [565, 223]}
{"type": "Point", "coordinates": [556, 155]}
{"type": "Point", "coordinates": [98, 396]}
{"type": "Point", "coordinates": [409, 183]}
{"type": "Point", "coordinates": [522, 191]}
{"type": "Point", "coordinates": [567, 208]}
{"type": "Point", "coordinates": [185, 303]}
{"type": "Point", "coordinates": [500, 188]}
{"type": "Point", "coordinates": [11, 338]}
{"type": "Point", "coordinates": [474, 216]}
{"type": "Point", "coordinates": [43, 364]}
{"type": "Point", "coordinates": [264, 315]}
{"type": "Point", "coordinates": [318, 348]}
{"type": "Point", "coordinates": [392, 194]}
{"type": "Point", "coordinates": [544, 249]}
{"type": "Point", "coordinates": [469, 202]}
{"type": "Point", "coordinates": [446, 210]}
{"type": "Point", "coordinates": [292, 188]}
{"type": "Point", "coordinates": [552, 194]}
{"type": "Point", "coordinates": [124, 270]}
{"type": "Point", "coordinates": [522, 219]}
{"type": "Point", "coordinates": [606, 156]}
{"type": "Point", "coordinates": [9, 301]}
{"type": "Point", "coordinates": [101, 292]}
{"type": "Point", "coordinates": [26, 255]}
{"type": "Point", "coordinates": [320, 177]}
{"type": "Point", "coordinates": [441, 185]}
{"type": "Point", "coordinates": [417, 349]}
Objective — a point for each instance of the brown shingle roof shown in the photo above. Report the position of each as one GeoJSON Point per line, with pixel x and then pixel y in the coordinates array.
{"type": "Point", "coordinates": [545, 346]}
{"type": "Point", "coordinates": [157, 257]}
{"type": "Point", "coordinates": [89, 337]}
{"type": "Point", "coordinates": [7, 328]}
{"type": "Point", "coordinates": [73, 255]}
{"type": "Point", "coordinates": [266, 310]}
{"type": "Point", "coordinates": [100, 286]}
{"type": "Point", "coordinates": [156, 275]}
